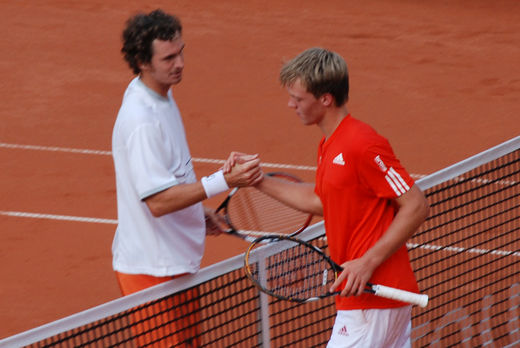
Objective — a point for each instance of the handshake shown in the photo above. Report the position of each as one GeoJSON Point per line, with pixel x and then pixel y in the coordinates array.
{"type": "Point", "coordinates": [242, 170]}
{"type": "Point", "coordinates": [239, 170]}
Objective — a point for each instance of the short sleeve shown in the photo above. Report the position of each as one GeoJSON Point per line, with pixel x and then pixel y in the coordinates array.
{"type": "Point", "coordinates": [382, 173]}
{"type": "Point", "coordinates": [149, 156]}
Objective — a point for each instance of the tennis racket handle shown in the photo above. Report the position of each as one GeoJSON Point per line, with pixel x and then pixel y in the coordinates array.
{"type": "Point", "coordinates": [420, 300]}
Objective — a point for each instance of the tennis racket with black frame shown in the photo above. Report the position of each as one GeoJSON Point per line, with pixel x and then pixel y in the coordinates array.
{"type": "Point", "coordinates": [302, 272]}
{"type": "Point", "coordinates": [249, 213]}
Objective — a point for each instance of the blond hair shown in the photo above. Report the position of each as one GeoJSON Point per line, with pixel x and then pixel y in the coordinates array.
{"type": "Point", "coordinates": [321, 71]}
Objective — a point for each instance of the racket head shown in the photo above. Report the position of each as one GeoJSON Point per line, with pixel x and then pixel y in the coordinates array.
{"type": "Point", "coordinates": [293, 270]}
{"type": "Point", "coordinates": [248, 211]}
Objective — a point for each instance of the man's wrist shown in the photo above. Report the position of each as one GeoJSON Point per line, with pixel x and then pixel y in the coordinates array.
{"type": "Point", "coordinates": [214, 184]}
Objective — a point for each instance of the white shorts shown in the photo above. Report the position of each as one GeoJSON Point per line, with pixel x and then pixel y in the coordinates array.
{"type": "Point", "coordinates": [388, 328]}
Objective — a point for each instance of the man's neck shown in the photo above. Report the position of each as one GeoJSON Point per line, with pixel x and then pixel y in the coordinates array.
{"type": "Point", "coordinates": [332, 120]}
{"type": "Point", "coordinates": [158, 88]}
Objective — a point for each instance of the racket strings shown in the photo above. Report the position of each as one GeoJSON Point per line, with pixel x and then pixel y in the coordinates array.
{"type": "Point", "coordinates": [298, 273]}
{"type": "Point", "coordinates": [257, 213]}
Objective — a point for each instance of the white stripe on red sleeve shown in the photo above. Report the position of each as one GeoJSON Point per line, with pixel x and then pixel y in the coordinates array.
{"type": "Point", "coordinates": [397, 183]}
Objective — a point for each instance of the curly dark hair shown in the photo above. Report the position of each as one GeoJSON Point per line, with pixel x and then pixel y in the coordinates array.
{"type": "Point", "coordinates": [141, 30]}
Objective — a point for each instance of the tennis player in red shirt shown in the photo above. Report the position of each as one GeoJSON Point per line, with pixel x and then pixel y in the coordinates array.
{"type": "Point", "coordinates": [370, 204]}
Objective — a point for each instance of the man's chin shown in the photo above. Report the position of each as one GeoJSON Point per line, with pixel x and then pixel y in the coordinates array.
{"type": "Point", "coordinates": [176, 81]}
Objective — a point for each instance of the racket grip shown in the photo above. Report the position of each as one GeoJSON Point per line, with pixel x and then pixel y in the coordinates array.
{"type": "Point", "coordinates": [420, 300]}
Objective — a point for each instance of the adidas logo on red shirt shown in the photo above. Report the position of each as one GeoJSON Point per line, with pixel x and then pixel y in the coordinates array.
{"type": "Point", "coordinates": [339, 160]}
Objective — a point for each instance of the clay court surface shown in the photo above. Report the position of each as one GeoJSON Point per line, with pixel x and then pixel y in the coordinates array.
{"type": "Point", "coordinates": [440, 79]}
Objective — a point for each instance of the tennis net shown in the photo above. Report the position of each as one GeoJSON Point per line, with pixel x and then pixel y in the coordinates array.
{"type": "Point", "coordinates": [466, 258]}
{"type": "Point", "coordinates": [466, 255]}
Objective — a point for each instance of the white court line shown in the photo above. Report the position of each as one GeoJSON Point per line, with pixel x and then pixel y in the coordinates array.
{"type": "Point", "coordinates": [57, 217]}
{"type": "Point", "coordinates": [54, 149]}
{"type": "Point", "coordinates": [109, 153]}
{"type": "Point", "coordinates": [465, 250]}
{"type": "Point", "coordinates": [114, 222]}
{"type": "Point", "coordinates": [195, 159]}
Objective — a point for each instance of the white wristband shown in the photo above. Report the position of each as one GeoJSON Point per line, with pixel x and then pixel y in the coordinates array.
{"type": "Point", "coordinates": [214, 184]}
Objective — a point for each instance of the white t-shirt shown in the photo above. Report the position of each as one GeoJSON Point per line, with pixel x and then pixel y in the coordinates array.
{"type": "Point", "coordinates": [150, 155]}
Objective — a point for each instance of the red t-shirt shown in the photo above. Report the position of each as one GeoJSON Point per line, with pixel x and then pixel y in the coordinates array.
{"type": "Point", "coordinates": [357, 180]}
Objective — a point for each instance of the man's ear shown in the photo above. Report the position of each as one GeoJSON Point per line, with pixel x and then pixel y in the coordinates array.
{"type": "Point", "coordinates": [144, 66]}
{"type": "Point", "coordinates": [327, 99]}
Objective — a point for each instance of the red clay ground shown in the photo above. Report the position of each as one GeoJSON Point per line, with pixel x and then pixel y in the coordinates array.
{"type": "Point", "coordinates": [440, 79]}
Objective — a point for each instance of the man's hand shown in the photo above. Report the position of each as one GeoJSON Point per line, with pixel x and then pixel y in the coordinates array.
{"type": "Point", "coordinates": [214, 222]}
{"type": "Point", "coordinates": [242, 170]}
{"type": "Point", "coordinates": [356, 273]}
{"type": "Point", "coordinates": [236, 157]}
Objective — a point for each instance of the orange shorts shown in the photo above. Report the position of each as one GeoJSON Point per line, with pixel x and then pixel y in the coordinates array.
{"type": "Point", "coordinates": [169, 322]}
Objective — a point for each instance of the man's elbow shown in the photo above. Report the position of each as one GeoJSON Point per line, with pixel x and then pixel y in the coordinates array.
{"type": "Point", "coordinates": [155, 208]}
{"type": "Point", "coordinates": [422, 208]}
{"type": "Point", "coordinates": [418, 204]}
{"type": "Point", "coordinates": [156, 212]}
